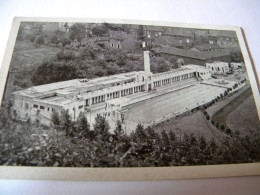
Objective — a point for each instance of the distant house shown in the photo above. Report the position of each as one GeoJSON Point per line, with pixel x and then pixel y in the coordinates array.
{"type": "Point", "coordinates": [88, 28]}
{"type": "Point", "coordinates": [193, 57]}
{"type": "Point", "coordinates": [235, 65]}
{"type": "Point", "coordinates": [153, 31]}
{"type": "Point", "coordinates": [222, 55]}
{"type": "Point", "coordinates": [65, 26]}
{"type": "Point", "coordinates": [218, 67]}
{"type": "Point", "coordinates": [102, 41]}
{"type": "Point", "coordinates": [115, 43]}
{"type": "Point", "coordinates": [167, 41]}
{"type": "Point", "coordinates": [183, 38]}
{"type": "Point", "coordinates": [224, 39]}
{"type": "Point", "coordinates": [124, 44]}
{"type": "Point", "coordinates": [132, 29]}
{"type": "Point", "coordinates": [189, 57]}
{"type": "Point", "coordinates": [205, 47]}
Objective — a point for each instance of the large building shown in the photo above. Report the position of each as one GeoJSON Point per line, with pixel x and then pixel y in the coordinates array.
{"type": "Point", "coordinates": [218, 67]}
{"type": "Point", "coordinates": [98, 96]}
{"type": "Point", "coordinates": [194, 57]}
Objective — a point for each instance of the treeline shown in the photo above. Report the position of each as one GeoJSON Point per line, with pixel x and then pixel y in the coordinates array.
{"type": "Point", "coordinates": [73, 144]}
{"type": "Point", "coordinates": [81, 57]}
{"type": "Point", "coordinates": [86, 63]}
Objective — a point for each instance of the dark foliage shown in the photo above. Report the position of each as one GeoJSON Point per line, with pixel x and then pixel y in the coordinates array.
{"type": "Point", "coordinates": [77, 32]}
{"type": "Point", "coordinates": [74, 144]}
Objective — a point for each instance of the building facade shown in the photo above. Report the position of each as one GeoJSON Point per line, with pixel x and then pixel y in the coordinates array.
{"type": "Point", "coordinates": [218, 67]}
{"type": "Point", "coordinates": [94, 97]}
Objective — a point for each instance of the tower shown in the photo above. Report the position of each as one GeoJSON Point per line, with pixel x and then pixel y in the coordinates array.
{"type": "Point", "coordinates": [147, 62]}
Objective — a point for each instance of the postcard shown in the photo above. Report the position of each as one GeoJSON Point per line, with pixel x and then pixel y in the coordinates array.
{"type": "Point", "coordinates": [103, 99]}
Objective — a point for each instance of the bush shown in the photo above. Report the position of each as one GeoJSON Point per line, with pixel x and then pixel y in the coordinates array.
{"type": "Point", "coordinates": [228, 131]}
{"type": "Point", "coordinates": [217, 125]}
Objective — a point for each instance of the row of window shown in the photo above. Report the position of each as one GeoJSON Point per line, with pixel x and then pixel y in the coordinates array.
{"type": "Point", "coordinates": [115, 45]}
{"type": "Point", "coordinates": [173, 79]}
{"type": "Point", "coordinates": [42, 107]}
{"type": "Point", "coordinates": [218, 69]}
{"type": "Point", "coordinates": [116, 94]}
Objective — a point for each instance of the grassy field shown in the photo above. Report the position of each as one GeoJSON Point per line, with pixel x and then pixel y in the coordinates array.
{"type": "Point", "coordinates": [221, 115]}
{"type": "Point", "coordinates": [244, 118]}
{"type": "Point", "coordinates": [192, 123]}
{"type": "Point", "coordinates": [27, 55]}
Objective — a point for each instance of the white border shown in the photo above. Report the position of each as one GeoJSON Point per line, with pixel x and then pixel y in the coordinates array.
{"type": "Point", "coordinates": [117, 174]}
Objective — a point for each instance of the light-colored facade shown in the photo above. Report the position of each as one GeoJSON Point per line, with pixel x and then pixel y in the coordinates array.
{"type": "Point", "coordinates": [97, 96]}
{"type": "Point", "coordinates": [235, 65]}
{"type": "Point", "coordinates": [218, 67]}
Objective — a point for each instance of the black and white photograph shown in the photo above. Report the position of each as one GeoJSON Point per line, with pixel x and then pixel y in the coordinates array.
{"type": "Point", "coordinates": [88, 94]}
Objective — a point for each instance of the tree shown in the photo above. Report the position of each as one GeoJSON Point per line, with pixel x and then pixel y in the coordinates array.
{"type": "Point", "coordinates": [101, 126]}
{"type": "Point", "coordinates": [159, 64]}
{"type": "Point", "coordinates": [228, 131]}
{"type": "Point", "coordinates": [39, 40]}
{"type": "Point", "coordinates": [140, 133]}
{"type": "Point", "coordinates": [202, 143]}
{"type": "Point", "coordinates": [77, 32]}
{"type": "Point", "coordinates": [87, 53]}
{"type": "Point", "coordinates": [213, 145]}
{"type": "Point", "coordinates": [55, 71]}
{"type": "Point", "coordinates": [65, 55]}
{"type": "Point", "coordinates": [32, 38]}
{"type": "Point", "coordinates": [54, 40]}
{"type": "Point", "coordinates": [140, 33]}
{"type": "Point", "coordinates": [112, 69]}
{"type": "Point", "coordinates": [119, 130]}
{"type": "Point", "coordinates": [65, 41]}
{"type": "Point", "coordinates": [55, 118]}
{"type": "Point", "coordinates": [172, 136]}
{"type": "Point", "coordinates": [165, 140]}
{"type": "Point", "coordinates": [66, 122]}
{"type": "Point", "coordinates": [83, 127]}
{"type": "Point", "coordinates": [100, 30]}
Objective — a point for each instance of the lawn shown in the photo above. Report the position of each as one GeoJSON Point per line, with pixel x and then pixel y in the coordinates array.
{"type": "Point", "coordinates": [192, 123]}
{"type": "Point", "coordinates": [222, 114]}
{"type": "Point", "coordinates": [244, 118]}
{"type": "Point", "coordinates": [27, 55]}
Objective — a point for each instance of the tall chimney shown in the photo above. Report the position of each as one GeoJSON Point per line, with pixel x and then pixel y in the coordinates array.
{"type": "Point", "coordinates": [146, 62]}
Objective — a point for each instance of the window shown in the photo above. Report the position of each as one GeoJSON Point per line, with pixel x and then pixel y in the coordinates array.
{"type": "Point", "coordinates": [48, 109]}
{"type": "Point", "coordinates": [80, 106]}
{"type": "Point", "coordinates": [42, 107]}
{"type": "Point", "coordinates": [35, 106]}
